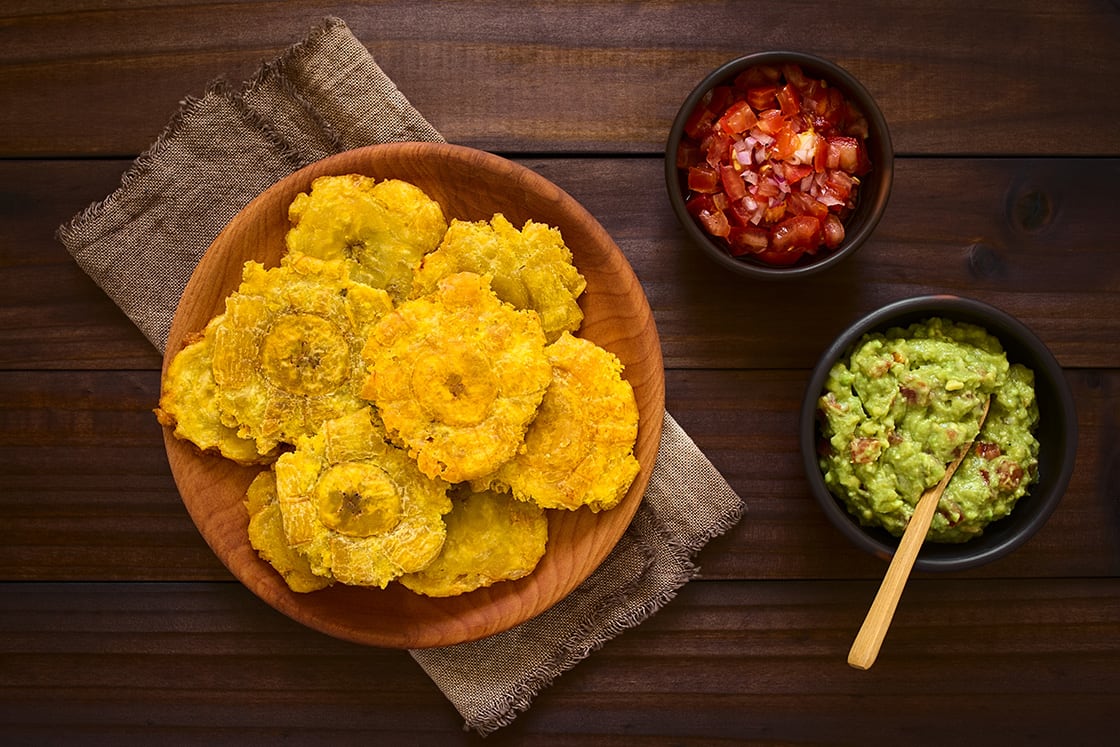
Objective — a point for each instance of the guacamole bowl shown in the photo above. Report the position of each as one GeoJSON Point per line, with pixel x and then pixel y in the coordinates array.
{"type": "Point", "coordinates": [793, 185]}
{"type": "Point", "coordinates": [1056, 433]}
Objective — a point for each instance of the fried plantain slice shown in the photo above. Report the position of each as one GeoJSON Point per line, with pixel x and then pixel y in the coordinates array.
{"type": "Point", "coordinates": [531, 268]}
{"type": "Point", "coordinates": [266, 535]}
{"type": "Point", "coordinates": [381, 229]}
{"type": "Point", "coordinates": [579, 451]}
{"type": "Point", "coordinates": [356, 506]}
{"type": "Point", "coordinates": [457, 376]}
{"type": "Point", "coordinates": [287, 354]}
{"type": "Point", "coordinates": [188, 403]}
{"type": "Point", "coordinates": [491, 537]}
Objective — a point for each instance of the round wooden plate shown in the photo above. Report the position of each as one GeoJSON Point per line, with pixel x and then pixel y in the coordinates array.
{"type": "Point", "coordinates": [470, 185]}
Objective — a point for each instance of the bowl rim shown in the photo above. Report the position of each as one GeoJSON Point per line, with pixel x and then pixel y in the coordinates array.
{"type": "Point", "coordinates": [1014, 336]}
{"type": "Point", "coordinates": [870, 212]}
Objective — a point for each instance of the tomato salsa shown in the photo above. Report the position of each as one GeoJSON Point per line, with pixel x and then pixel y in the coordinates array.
{"type": "Point", "coordinates": [773, 163]}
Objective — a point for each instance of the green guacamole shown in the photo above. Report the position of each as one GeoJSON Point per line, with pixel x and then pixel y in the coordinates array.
{"type": "Point", "coordinates": [897, 413]}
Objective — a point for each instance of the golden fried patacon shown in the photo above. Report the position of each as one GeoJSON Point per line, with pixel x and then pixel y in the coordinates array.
{"type": "Point", "coordinates": [491, 537]}
{"type": "Point", "coordinates": [356, 506]}
{"type": "Point", "coordinates": [266, 535]}
{"type": "Point", "coordinates": [531, 268]}
{"type": "Point", "coordinates": [457, 376]}
{"type": "Point", "coordinates": [580, 449]}
{"type": "Point", "coordinates": [381, 228]}
{"type": "Point", "coordinates": [287, 355]}
{"type": "Point", "coordinates": [188, 403]}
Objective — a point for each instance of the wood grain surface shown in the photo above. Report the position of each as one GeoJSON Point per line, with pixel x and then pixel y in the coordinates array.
{"type": "Point", "coordinates": [120, 625]}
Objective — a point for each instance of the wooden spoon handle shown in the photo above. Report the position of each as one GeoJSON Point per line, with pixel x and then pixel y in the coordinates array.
{"type": "Point", "coordinates": [866, 646]}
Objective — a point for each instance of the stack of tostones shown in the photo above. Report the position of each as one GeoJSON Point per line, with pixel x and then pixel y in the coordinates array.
{"type": "Point", "coordinates": [381, 229]}
{"type": "Point", "coordinates": [531, 268]}
{"type": "Point", "coordinates": [421, 410]}
{"type": "Point", "coordinates": [457, 376]}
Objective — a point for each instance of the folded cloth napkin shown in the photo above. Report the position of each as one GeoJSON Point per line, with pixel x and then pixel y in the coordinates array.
{"type": "Point", "coordinates": [323, 95]}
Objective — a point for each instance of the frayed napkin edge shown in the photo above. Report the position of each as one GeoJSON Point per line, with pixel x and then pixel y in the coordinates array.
{"type": "Point", "coordinates": [577, 648]}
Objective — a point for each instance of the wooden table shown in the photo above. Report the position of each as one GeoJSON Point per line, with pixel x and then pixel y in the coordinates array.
{"type": "Point", "coordinates": [117, 623]}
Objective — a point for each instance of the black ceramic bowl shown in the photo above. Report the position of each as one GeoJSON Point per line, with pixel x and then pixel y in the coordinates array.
{"type": "Point", "coordinates": [1057, 433]}
{"type": "Point", "coordinates": [874, 189]}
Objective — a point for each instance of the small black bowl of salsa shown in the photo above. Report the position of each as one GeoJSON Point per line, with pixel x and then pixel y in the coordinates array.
{"type": "Point", "coordinates": [779, 164]}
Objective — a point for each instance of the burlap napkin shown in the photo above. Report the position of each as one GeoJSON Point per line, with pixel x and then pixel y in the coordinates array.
{"type": "Point", "coordinates": [324, 95]}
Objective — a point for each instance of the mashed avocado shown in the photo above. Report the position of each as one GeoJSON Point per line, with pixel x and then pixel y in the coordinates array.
{"type": "Point", "coordinates": [896, 413]}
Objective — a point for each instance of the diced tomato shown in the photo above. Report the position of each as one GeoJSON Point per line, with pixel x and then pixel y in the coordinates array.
{"type": "Point", "coordinates": [799, 232]}
{"type": "Point", "coordinates": [688, 153]}
{"type": "Point", "coordinates": [717, 147]}
{"type": "Point", "coordinates": [789, 100]}
{"type": "Point", "coordinates": [794, 75]}
{"type": "Point", "coordinates": [733, 184]}
{"type": "Point", "coordinates": [795, 172]}
{"type": "Point", "coordinates": [832, 231]}
{"type": "Point", "coordinates": [838, 184]}
{"type": "Point", "coordinates": [780, 257]}
{"type": "Point", "coordinates": [703, 178]}
{"type": "Point", "coordinates": [747, 240]}
{"type": "Point", "coordinates": [801, 203]}
{"type": "Point", "coordinates": [697, 204]}
{"type": "Point", "coordinates": [759, 75]}
{"type": "Point", "coordinates": [720, 98]}
{"type": "Point", "coordinates": [738, 118]}
{"type": "Point", "coordinates": [699, 123]}
{"type": "Point", "coordinates": [771, 121]}
{"type": "Point", "coordinates": [715, 222]}
{"type": "Point", "coordinates": [763, 97]}
{"type": "Point", "coordinates": [843, 153]}
{"type": "Point", "coordinates": [785, 143]}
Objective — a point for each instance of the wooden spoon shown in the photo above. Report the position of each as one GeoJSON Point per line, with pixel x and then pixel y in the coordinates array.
{"type": "Point", "coordinates": [870, 637]}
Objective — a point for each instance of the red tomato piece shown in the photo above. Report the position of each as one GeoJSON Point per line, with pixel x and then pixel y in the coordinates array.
{"type": "Point", "coordinates": [763, 97]}
{"type": "Point", "coordinates": [801, 203]}
{"type": "Point", "coordinates": [699, 123]}
{"type": "Point", "coordinates": [703, 178]}
{"type": "Point", "coordinates": [801, 232]}
{"type": "Point", "coordinates": [748, 240]}
{"type": "Point", "coordinates": [780, 257]}
{"type": "Point", "coordinates": [794, 75]}
{"type": "Point", "coordinates": [843, 153]}
{"type": "Point", "coordinates": [733, 185]}
{"type": "Point", "coordinates": [771, 121]}
{"type": "Point", "coordinates": [715, 222]}
{"type": "Point", "coordinates": [832, 231]}
{"type": "Point", "coordinates": [795, 172]}
{"type": "Point", "coordinates": [738, 118]}
{"type": "Point", "coordinates": [789, 100]}
{"type": "Point", "coordinates": [688, 153]}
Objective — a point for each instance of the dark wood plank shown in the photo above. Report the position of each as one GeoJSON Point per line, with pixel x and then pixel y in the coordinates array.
{"type": "Point", "coordinates": [1022, 234]}
{"type": "Point", "coordinates": [489, 74]}
{"type": "Point", "coordinates": [87, 493]}
{"type": "Point", "coordinates": [736, 661]}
